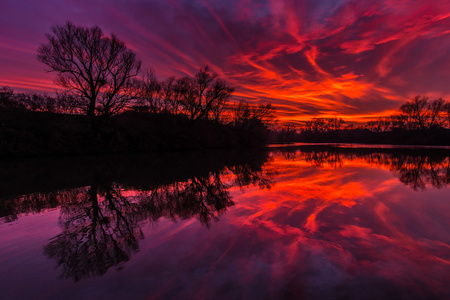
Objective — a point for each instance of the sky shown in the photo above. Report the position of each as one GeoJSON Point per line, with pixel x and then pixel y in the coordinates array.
{"type": "Point", "coordinates": [354, 59]}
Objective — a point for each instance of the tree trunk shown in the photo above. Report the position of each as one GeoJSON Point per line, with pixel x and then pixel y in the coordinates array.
{"type": "Point", "coordinates": [91, 108]}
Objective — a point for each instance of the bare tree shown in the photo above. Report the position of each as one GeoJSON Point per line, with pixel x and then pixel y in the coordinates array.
{"type": "Point", "coordinates": [205, 95]}
{"type": "Point", "coordinates": [148, 90]}
{"type": "Point", "coordinates": [316, 125]}
{"type": "Point", "coordinates": [446, 110]}
{"type": "Point", "coordinates": [435, 113]}
{"type": "Point", "coordinates": [248, 116]}
{"type": "Point", "coordinates": [90, 64]}
{"type": "Point", "coordinates": [335, 123]}
{"type": "Point", "coordinates": [170, 94]}
{"type": "Point", "coordinates": [188, 97]}
{"type": "Point", "coordinates": [416, 111]}
{"type": "Point", "coordinates": [216, 99]}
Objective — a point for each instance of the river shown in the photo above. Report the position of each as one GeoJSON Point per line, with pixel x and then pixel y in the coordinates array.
{"type": "Point", "coordinates": [303, 222]}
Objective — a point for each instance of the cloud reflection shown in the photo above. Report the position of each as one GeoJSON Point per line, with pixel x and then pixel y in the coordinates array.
{"type": "Point", "coordinates": [331, 222]}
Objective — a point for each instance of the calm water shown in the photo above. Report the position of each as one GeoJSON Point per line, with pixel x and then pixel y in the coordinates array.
{"type": "Point", "coordinates": [293, 223]}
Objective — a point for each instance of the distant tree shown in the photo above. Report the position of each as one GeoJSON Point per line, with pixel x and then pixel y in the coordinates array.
{"type": "Point", "coordinates": [416, 112]}
{"type": "Point", "coordinates": [70, 103]}
{"type": "Point", "coordinates": [37, 102]}
{"type": "Point", "coordinates": [28, 101]}
{"type": "Point", "coordinates": [266, 114]}
{"type": "Point", "coordinates": [350, 126]}
{"type": "Point", "coordinates": [317, 125]}
{"type": "Point", "coordinates": [204, 96]}
{"type": "Point", "coordinates": [241, 114]}
{"type": "Point", "coordinates": [335, 123]}
{"type": "Point", "coordinates": [421, 113]}
{"type": "Point", "coordinates": [188, 97]}
{"type": "Point", "coordinates": [8, 99]}
{"type": "Point", "coordinates": [147, 92]}
{"type": "Point", "coordinates": [170, 94]}
{"type": "Point", "coordinates": [251, 117]}
{"type": "Point", "coordinates": [92, 65]}
{"type": "Point", "coordinates": [399, 122]}
{"type": "Point", "coordinates": [435, 116]}
{"type": "Point", "coordinates": [446, 110]}
{"type": "Point", "coordinates": [287, 133]}
{"type": "Point", "coordinates": [382, 124]}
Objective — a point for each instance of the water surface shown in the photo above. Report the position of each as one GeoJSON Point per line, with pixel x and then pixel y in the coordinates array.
{"type": "Point", "coordinates": [302, 222]}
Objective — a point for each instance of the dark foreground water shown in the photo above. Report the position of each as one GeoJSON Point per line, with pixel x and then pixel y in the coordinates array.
{"type": "Point", "coordinates": [293, 223]}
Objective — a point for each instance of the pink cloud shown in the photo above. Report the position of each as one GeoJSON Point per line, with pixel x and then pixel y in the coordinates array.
{"type": "Point", "coordinates": [309, 58]}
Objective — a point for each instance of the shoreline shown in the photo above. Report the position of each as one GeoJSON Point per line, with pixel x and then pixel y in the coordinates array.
{"type": "Point", "coordinates": [358, 145]}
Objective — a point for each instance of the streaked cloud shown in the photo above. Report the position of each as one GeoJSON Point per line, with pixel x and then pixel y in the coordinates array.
{"type": "Point", "coordinates": [357, 59]}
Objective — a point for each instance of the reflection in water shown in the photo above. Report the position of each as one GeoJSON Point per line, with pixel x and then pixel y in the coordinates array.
{"type": "Point", "coordinates": [415, 168]}
{"type": "Point", "coordinates": [336, 223]}
{"type": "Point", "coordinates": [33, 186]}
{"type": "Point", "coordinates": [101, 223]}
{"type": "Point", "coordinates": [99, 231]}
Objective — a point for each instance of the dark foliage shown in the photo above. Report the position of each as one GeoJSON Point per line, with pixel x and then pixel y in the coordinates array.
{"type": "Point", "coordinates": [27, 133]}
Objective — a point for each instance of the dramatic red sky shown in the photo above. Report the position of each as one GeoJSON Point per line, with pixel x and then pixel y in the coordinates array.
{"type": "Point", "coordinates": [349, 58]}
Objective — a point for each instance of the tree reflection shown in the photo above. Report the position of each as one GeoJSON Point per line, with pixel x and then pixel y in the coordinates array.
{"type": "Point", "coordinates": [11, 208]}
{"type": "Point", "coordinates": [417, 169]}
{"type": "Point", "coordinates": [245, 175]}
{"type": "Point", "coordinates": [319, 158]}
{"type": "Point", "coordinates": [419, 172]}
{"type": "Point", "coordinates": [101, 220]}
{"type": "Point", "coordinates": [101, 226]}
{"type": "Point", "coordinates": [203, 197]}
{"type": "Point", "coordinates": [99, 231]}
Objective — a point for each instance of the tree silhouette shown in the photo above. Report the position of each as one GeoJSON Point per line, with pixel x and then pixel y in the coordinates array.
{"type": "Point", "coordinates": [416, 111]}
{"type": "Point", "coordinates": [205, 95]}
{"type": "Point", "coordinates": [251, 117]}
{"type": "Point", "coordinates": [92, 65]}
{"type": "Point", "coordinates": [147, 90]}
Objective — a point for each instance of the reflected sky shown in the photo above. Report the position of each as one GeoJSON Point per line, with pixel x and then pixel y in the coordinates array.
{"type": "Point", "coordinates": [307, 223]}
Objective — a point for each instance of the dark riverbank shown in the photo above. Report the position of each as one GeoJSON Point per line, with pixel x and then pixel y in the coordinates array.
{"type": "Point", "coordinates": [25, 133]}
{"type": "Point", "coordinates": [432, 137]}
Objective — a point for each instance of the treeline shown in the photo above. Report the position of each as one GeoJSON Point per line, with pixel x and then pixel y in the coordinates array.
{"type": "Point", "coordinates": [61, 103]}
{"type": "Point", "coordinates": [418, 121]}
{"type": "Point", "coordinates": [420, 113]}
{"type": "Point", "coordinates": [108, 104]}
{"type": "Point", "coordinates": [202, 97]}
{"type": "Point", "coordinates": [101, 76]}
{"type": "Point", "coordinates": [324, 124]}
{"type": "Point", "coordinates": [35, 133]}
{"type": "Point", "coordinates": [33, 124]}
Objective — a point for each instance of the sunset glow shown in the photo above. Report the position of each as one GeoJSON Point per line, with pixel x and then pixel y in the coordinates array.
{"type": "Point", "coordinates": [304, 222]}
{"type": "Point", "coordinates": [355, 59]}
